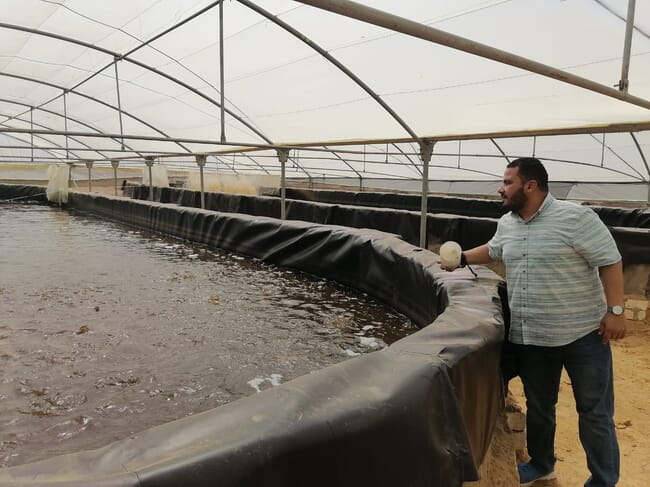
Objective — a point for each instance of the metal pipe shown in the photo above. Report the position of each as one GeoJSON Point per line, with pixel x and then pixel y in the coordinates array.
{"type": "Point", "coordinates": [88, 97]}
{"type": "Point", "coordinates": [65, 122]}
{"type": "Point", "coordinates": [426, 151]}
{"type": "Point", "coordinates": [283, 156]}
{"type": "Point", "coordinates": [89, 165]}
{"type": "Point", "coordinates": [115, 164]}
{"type": "Point", "coordinates": [242, 147]}
{"type": "Point", "coordinates": [332, 60]}
{"type": "Point", "coordinates": [149, 163]}
{"type": "Point", "coordinates": [125, 57]}
{"type": "Point", "coordinates": [119, 101]}
{"type": "Point", "coordinates": [200, 161]}
{"type": "Point", "coordinates": [624, 82]}
{"type": "Point", "coordinates": [425, 32]}
{"type": "Point", "coordinates": [221, 75]}
{"type": "Point", "coordinates": [31, 126]}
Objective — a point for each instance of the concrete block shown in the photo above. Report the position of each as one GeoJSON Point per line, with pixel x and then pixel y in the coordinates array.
{"type": "Point", "coordinates": [636, 309]}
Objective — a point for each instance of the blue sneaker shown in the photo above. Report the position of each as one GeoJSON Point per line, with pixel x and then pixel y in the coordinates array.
{"type": "Point", "coordinates": [529, 474]}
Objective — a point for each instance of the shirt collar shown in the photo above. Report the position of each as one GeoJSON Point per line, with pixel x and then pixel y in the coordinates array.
{"type": "Point", "coordinates": [548, 201]}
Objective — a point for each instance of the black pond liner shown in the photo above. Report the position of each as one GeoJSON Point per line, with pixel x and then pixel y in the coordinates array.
{"type": "Point", "coordinates": [470, 222]}
{"type": "Point", "coordinates": [419, 413]}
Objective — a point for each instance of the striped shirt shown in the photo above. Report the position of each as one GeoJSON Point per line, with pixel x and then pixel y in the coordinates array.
{"type": "Point", "coordinates": [552, 262]}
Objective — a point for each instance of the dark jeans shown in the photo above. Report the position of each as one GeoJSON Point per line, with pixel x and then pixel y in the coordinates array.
{"type": "Point", "coordinates": [589, 365]}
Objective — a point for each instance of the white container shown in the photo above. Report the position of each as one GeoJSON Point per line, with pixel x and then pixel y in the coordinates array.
{"type": "Point", "coordinates": [450, 253]}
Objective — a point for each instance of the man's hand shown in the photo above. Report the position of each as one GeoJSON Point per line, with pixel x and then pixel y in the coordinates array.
{"type": "Point", "coordinates": [612, 327]}
{"type": "Point", "coordinates": [448, 269]}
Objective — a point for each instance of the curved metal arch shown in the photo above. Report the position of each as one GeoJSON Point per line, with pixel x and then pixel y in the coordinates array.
{"type": "Point", "coordinates": [500, 150]}
{"type": "Point", "coordinates": [408, 157]}
{"type": "Point", "coordinates": [62, 148]}
{"type": "Point", "coordinates": [578, 163]}
{"type": "Point", "coordinates": [92, 98]}
{"type": "Point", "coordinates": [47, 151]}
{"type": "Point", "coordinates": [613, 152]}
{"type": "Point", "coordinates": [462, 169]}
{"type": "Point", "coordinates": [346, 163]}
{"type": "Point", "coordinates": [332, 60]}
{"type": "Point", "coordinates": [117, 56]}
{"type": "Point", "coordinates": [52, 112]}
{"type": "Point", "coordinates": [255, 161]}
{"type": "Point", "coordinates": [551, 159]}
{"type": "Point", "coordinates": [638, 146]}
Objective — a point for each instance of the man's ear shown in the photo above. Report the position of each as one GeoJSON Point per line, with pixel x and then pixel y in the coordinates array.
{"type": "Point", "coordinates": [531, 185]}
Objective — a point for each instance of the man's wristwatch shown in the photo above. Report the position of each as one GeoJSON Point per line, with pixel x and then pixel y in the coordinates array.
{"type": "Point", "coordinates": [615, 310]}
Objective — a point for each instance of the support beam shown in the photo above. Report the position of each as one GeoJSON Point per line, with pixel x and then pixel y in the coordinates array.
{"type": "Point", "coordinates": [115, 163]}
{"type": "Point", "coordinates": [65, 123]}
{"type": "Point", "coordinates": [624, 82]}
{"type": "Point", "coordinates": [221, 75]}
{"type": "Point", "coordinates": [149, 163]}
{"type": "Point", "coordinates": [200, 161]}
{"type": "Point", "coordinates": [119, 101]}
{"type": "Point", "coordinates": [426, 151]}
{"type": "Point", "coordinates": [31, 125]}
{"type": "Point", "coordinates": [283, 156]}
{"type": "Point", "coordinates": [405, 26]}
{"type": "Point", "coordinates": [89, 165]}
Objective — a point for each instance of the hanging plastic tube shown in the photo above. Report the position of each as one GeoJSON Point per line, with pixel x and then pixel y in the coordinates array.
{"type": "Point", "coordinates": [58, 176]}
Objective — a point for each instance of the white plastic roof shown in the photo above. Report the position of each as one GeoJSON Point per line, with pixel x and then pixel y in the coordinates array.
{"type": "Point", "coordinates": [297, 74]}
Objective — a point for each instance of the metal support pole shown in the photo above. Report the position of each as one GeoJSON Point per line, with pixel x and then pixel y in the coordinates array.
{"type": "Point", "coordinates": [70, 166]}
{"type": "Point", "coordinates": [200, 161]}
{"type": "Point", "coordinates": [405, 26]}
{"type": "Point", "coordinates": [31, 127]}
{"type": "Point", "coordinates": [624, 82]}
{"type": "Point", "coordinates": [221, 74]}
{"type": "Point", "coordinates": [89, 165]}
{"type": "Point", "coordinates": [115, 164]}
{"type": "Point", "coordinates": [283, 156]}
{"type": "Point", "coordinates": [65, 121]}
{"type": "Point", "coordinates": [426, 151]}
{"type": "Point", "coordinates": [149, 162]}
{"type": "Point", "coordinates": [602, 152]}
{"type": "Point", "coordinates": [119, 100]}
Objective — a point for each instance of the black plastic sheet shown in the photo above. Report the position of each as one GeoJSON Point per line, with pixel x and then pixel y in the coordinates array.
{"type": "Point", "coordinates": [10, 193]}
{"type": "Point", "coordinates": [613, 217]}
{"type": "Point", "coordinates": [468, 231]}
{"type": "Point", "coordinates": [419, 413]}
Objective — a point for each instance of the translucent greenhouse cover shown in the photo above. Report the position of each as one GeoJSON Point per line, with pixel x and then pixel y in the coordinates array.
{"type": "Point", "coordinates": [96, 80]}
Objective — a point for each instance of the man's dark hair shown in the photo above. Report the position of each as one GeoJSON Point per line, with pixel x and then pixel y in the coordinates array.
{"type": "Point", "coordinates": [531, 168]}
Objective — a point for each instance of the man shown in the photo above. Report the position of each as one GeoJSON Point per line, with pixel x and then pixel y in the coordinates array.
{"type": "Point", "coordinates": [565, 290]}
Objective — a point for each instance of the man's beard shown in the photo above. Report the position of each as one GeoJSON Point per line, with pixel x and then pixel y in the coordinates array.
{"type": "Point", "coordinates": [516, 201]}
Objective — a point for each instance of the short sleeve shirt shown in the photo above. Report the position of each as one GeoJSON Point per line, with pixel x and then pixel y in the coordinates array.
{"type": "Point", "coordinates": [552, 262]}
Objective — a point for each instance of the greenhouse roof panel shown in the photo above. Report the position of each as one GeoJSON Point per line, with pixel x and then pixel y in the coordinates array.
{"type": "Point", "coordinates": [295, 73]}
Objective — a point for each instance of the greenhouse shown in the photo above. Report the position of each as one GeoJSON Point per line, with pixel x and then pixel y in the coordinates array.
{"type": "Point", "coordinates": [345, 140]}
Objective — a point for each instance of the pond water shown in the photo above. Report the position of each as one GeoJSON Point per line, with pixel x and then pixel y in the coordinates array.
{"type": "Point", "coordinates": [106, 330]}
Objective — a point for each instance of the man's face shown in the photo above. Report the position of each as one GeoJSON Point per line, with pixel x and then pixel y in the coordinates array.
{"type": "Point", "coordinates": [512, 190]}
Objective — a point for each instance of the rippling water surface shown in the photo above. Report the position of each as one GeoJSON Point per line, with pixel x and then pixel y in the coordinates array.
{"type": "Point", "coordinates": [106, 330]}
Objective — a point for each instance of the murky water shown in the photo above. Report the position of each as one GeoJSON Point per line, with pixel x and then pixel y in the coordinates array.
{"type": "Point", "coordinates": [106, 330]}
